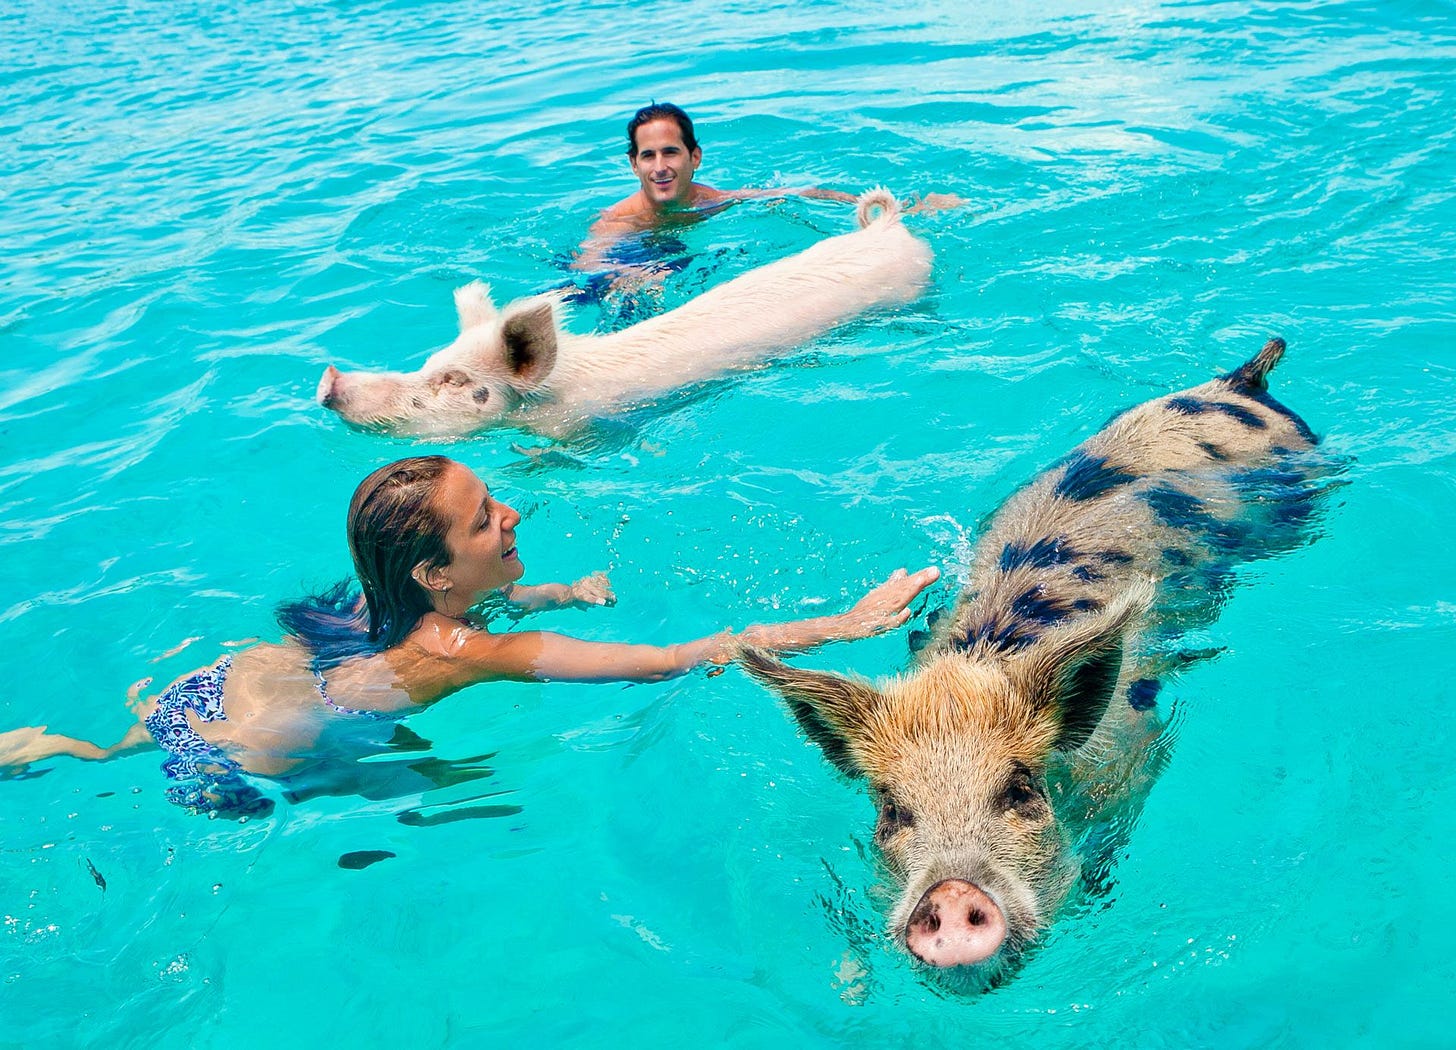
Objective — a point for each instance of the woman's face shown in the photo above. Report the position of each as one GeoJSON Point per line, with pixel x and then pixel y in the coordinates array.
{"type": "Point", "coordinates": [481, 537]}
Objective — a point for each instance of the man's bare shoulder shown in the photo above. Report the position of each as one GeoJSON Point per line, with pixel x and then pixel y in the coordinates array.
{"type": "Point", "coordinates": [708, 195]}
{"type": "Point", "coordinates": [629, 207]}
{"type": "Point", "coordinates": [629, 215]}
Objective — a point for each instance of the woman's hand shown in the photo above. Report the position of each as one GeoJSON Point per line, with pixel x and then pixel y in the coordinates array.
{"type": "Point", "coordinates": [591, 590]}
{"type": "Point", "coordinates": [885, 607]}
{"type": "Point", "coordinates": [888, 605]}
{"type": "Point", "coordinates": [587, 592]}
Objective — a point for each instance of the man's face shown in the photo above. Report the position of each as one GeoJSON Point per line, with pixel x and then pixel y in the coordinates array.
{"type": "Point", "coordinates": [663, 163]}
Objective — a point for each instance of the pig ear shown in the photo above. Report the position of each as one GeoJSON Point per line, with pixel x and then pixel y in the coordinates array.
{"type": "Point", "coordinates": [529, 334]}
{"type": "Point", "coordinates": [1072, 673]}
{"type": "Point", "coordinates": [473, 305]}
{"type": "Point", "coordinates": [828, 707]}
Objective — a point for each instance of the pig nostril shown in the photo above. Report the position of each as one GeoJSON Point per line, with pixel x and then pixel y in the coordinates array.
{"type": "Point", "coordinates": [955, 924]}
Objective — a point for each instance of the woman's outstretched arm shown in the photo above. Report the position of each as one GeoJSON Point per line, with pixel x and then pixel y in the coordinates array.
{"type": "Point", "coordinates": [882, 609]}
{"type": "Point", "coordinates": [542, 656]}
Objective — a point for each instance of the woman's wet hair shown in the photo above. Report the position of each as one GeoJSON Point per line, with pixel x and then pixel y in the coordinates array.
{"type": "Point", "coordinates": [660, 111]}
{"type": "Point", "coordinates": [393, 526]}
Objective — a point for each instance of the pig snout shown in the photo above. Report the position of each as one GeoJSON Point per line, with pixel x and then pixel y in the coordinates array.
{"type": "Point", "coordinates": [327, 393]}
{"type": "Point", "coordinates": [956, 923]}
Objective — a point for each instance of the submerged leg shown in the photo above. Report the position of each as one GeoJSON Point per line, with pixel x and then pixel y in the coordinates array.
{"type": "Point", "coordinates": [21, 747]}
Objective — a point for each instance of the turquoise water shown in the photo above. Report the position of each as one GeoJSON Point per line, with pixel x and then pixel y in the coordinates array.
{"type": "Point", "coordinates": [203, 206]}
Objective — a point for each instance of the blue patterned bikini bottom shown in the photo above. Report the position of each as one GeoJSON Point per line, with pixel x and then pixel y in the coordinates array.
{"type": "Point", "coordinates": [206, 779]}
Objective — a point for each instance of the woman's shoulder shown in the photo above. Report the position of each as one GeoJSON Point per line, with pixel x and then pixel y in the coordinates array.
{"type": "Point", "coordinates": [445, 637]}
{"type": "Point", "coordinates": [457, 653]}
{"type": "Point", "coordinates": [444, 652]}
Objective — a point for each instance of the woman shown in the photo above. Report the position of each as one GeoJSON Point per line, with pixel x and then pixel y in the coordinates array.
{"type": "Point", "coordinates": [429, 543]}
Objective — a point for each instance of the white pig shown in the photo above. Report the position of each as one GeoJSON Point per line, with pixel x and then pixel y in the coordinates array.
{"type": "Point", "coordinates": [517, 367]}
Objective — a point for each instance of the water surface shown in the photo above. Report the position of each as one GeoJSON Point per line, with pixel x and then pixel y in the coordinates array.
{"type": "Point", "coordinates": [204, 206]}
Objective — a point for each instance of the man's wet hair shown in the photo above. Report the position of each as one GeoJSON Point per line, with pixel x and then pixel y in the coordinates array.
{"type": "Point", "coordinates": [660, 111]}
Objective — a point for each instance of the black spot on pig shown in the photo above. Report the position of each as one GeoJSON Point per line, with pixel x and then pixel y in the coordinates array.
{"type": "Point", "coordinates": [1186, 406]}
{"type": "Point", "coordinates": [1282, 498]}
{"type": "Point", "coordinates": [1143, 693]}
{"type": "Point", "coordinates": [1192, 406]}
{"type": "Point", "coordinates": [1178, 509]}
{"type": "Point", "coordinates": [1043, 554]}
{"type": "Point", "coordinates": [1039, 609]}
{"type": "Point", "coordinates": [834, 745]}
{"type": "Point", "coordinates": [1036, 606]}
{"type": "Point", "coordinates": [1300, 426]}
{"type": "Point", "coordinates": [1006, 635]}
{"type": "Point", "coordinates": [1240, 414]}
{"type": "Point", "coordinates": [1087, 477]}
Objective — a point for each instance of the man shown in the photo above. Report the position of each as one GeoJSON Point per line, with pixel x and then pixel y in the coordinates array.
{"type": "Point", "coordinates": [664, 154]}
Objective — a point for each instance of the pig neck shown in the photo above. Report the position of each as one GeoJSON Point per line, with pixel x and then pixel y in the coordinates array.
{"type": "Point", "coordinates": [767, 310]}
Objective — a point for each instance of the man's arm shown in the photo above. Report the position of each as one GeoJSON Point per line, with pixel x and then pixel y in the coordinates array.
{"type": "Point", "coordinates": [812, 192]}
{"type": "Point", "coordinates": [629, 216]}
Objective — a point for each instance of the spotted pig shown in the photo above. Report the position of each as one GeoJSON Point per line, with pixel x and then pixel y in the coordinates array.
{"type": "Point", "coordinates": [1027, 731]}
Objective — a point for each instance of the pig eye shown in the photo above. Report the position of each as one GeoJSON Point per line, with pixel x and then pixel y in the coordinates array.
{"type": "Point", "coordinates": [481, 395]}
{"type": "Point", "coordinates": [893, 818]}
{"type": "Point", "coordinates": [1022, 792]}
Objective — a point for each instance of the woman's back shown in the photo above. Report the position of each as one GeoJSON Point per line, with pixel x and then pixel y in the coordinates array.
{"type": "Point", "coordinates": [280, 712]}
